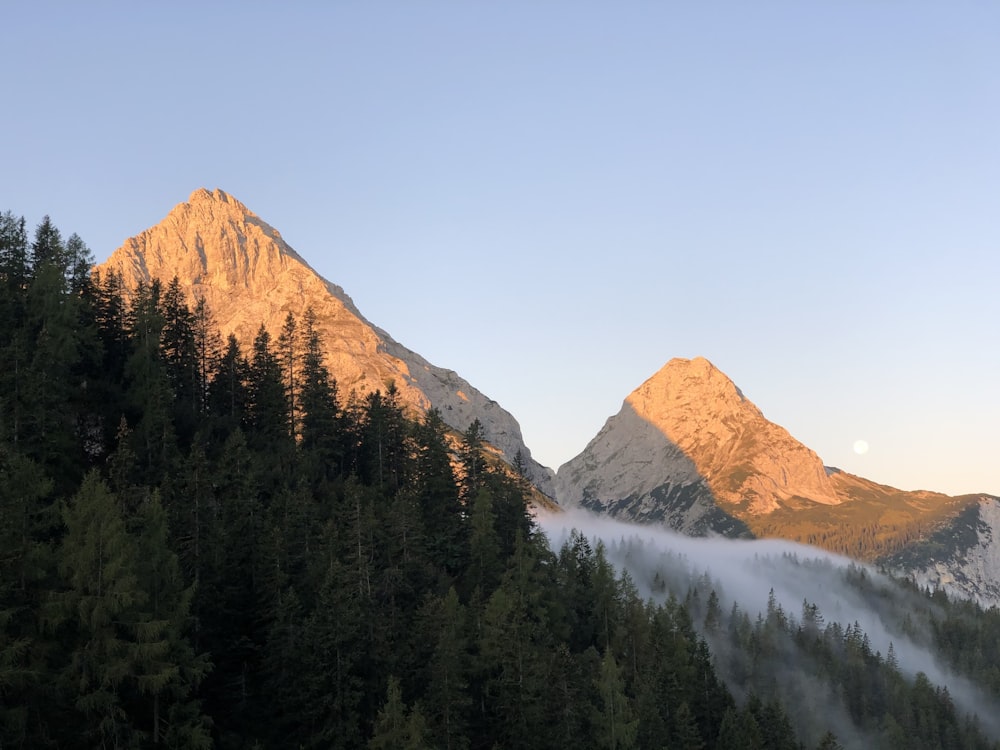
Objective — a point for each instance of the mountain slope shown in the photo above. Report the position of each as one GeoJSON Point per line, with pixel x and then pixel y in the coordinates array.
{"type": "Point", "coordinates": [688, 443]}
{"type": "Point", "coordinates": [220, 250]}
{"type": "Point", "coordinates": [688, 450]}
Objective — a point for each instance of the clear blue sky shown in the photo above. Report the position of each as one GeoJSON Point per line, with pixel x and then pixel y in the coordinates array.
{"type": "Point", "coordinates": [553, 199]}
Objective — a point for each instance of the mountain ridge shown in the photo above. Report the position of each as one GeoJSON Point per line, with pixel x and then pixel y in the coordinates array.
{"type": "Point", "coordinates": [688, 450]}
{"type": "Point", "coordinates": [248, 275]}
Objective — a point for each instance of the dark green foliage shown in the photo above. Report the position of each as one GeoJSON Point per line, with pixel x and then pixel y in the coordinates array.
{"type": "Point", "coordinates": [197, 550]}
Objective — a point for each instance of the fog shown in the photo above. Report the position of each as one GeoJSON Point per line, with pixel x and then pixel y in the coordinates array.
{"type": "Point", "coordinates": [745, 572]}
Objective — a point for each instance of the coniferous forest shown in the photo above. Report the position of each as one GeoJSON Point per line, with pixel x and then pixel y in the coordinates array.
{"type": "Point", "coordinates": [205, 546]}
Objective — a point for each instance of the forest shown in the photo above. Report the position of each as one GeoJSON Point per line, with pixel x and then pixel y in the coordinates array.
{"type": "Point", "coordinates": [203, 547]}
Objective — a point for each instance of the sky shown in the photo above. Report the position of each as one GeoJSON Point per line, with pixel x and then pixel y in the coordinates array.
{"type": "Point", "coordinates": [554, 199]}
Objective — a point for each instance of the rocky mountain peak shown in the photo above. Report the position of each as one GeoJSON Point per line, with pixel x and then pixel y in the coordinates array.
{"type": "Point", "coordinates": [689, 433]}
{"type": "Point", "coordinates": [745, 458]}
{"type": "Point", "coordinates": [248, 275]}
{"type": "Point", "coordinates": [690, 385]}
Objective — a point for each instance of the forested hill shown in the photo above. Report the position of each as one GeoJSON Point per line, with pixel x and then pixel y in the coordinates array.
{"type": "Point", "coordinates": [202, 546]}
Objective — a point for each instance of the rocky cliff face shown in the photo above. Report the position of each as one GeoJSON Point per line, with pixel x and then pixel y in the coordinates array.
{"type": "Point", "coordinates": [961, 557]}
{"type": "Point", "coordinates": [222, 251]}
{"type": "Point", "coordinates": [688, 432]}
{"type": "Point", "coordinates": [688, 450]}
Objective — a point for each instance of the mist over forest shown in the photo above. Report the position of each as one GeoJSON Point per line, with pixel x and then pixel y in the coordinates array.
{"type": "Point", "coordinates": [208, 544]}
{"type": "Point", "coordinates": [796, 587]}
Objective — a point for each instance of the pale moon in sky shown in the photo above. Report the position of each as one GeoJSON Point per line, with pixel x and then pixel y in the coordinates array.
{"type": "Point", "coordinates": [860, 447]}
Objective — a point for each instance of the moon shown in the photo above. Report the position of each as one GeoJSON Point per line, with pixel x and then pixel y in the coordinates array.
{"type": "Point", "coordinates": [861, 447]}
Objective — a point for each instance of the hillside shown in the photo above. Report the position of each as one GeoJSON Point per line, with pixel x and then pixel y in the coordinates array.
{"type": "Point", "coordinates": [222, 252]}
{"type": "Point", "coordinates": [689, 451]}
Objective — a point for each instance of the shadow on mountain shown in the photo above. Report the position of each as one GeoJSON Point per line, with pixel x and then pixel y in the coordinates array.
{"type": "Point", "coordinates": [632, 471]}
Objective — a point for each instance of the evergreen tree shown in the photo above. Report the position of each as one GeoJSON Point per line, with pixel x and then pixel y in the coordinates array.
{"type": "Point", "coordinates": [615, 723]}
{"type": "Point", "coordinates": [686, 735]}
{"type": "Point", "coordinates": [168, 670]}
{"type": "Point", "coordinates": [485, 567]}
{"type": "Point", "coordinates": [447, 697]}
{"type": "Point", "coordinates": [268, 410]}
{"type": "Point", "coordinates": [289, 359]}
{"type": "Point", "coordinates": [228, 395]}
{"type": "Point", "coordinates": [207, 352]}
{"type": "Point", "coordinates": [26, 569]}
{"type": "Point", "coordinates": [100, 607]}
{"type": "Point", "coordinates": [180, 359]}
{"type": "Point", "coordinates": [437, 494]}
{"type": "Point", "coordinates": [48, 351]}
{"type": "Point", "coordinates": [397, 728]}
{"type": "Point", "coordinates": [471, 460]}
{"type": "Point", "coordinates": [829, 742]}
{"type": "Point", "coordinates": [739, 731]}
{"type": "Point", "coordinates": [14, 339]}
{"type": "Point", "coordinates": [149, 392]}
{"type": "Point", "coordinates": [383, 450]}
{"type": "Point", "coordinates": [322, 442]}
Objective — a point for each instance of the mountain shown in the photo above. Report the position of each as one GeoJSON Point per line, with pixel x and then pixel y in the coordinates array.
{"type": "Point", "coordinates": [248, 275]}
{"type": "Point", "coordinates": [688, 450]}
{"type": "Point", "coordinates": [688, 439]}
{"type": "Point", "coordinates": [961, 556]}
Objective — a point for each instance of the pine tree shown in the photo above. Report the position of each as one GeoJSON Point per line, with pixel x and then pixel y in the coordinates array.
{"type": "Point", "coordinates": [739, 731]}
{"type": "Point", "coordinates": [334, 687]}
{"type": "Point", "coordinates": [615, 722]}
{"type": "Point", "coordinates": [180, 359]}
{"type": "Point", "coordinates": [26, 570]}
{"type": "Point", "coordinates": [397, 728]}
{"type": "Point", "coordinates": [289, 359]}
{"type": "Point", "coordinates": [268, 409]}
{"type": "Point", "coordinates": [322, 442]}
{"type": "Point", "coordinates": [437, 494]}
{"type": "Point", "coordinates": [383, 451]}
{"type": "Point", "coordinates": [207, 352]}
{"type": "Point", "coordinates": [686, 735]}
{"type": "Point", "coordinates": [485, 567]}
{"type": "Point", "coordinates": [447, 694]}
{"type": "Point", "coordinates": [48, 355]}
{"type": "Point", "coordinates": [14, 340]}
{"type": "Point", "coordinates": [100, 608]}
{"type": "Point", "coordinates": [471, 460]}
{"type": "Point", "coordinates": [829, 742]}
{"type": "Point", "coordinates": [229, 602]}
{"type": "Point", "coordinates": [168, 670]}
{"type": "Point", "coordinates": [149, 392]}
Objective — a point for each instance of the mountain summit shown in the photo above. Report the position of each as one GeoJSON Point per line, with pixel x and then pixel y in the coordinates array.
{"type": "Point", "coordinates": [689, 448]}
{"type": "Point", "coordinates": [746, 460]}
{"type": "Point", "coordinates": [689, 451]}
{"type": "Point", "coordinates": [248, 275]}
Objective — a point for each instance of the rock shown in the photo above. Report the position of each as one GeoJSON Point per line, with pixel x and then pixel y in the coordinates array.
{"type": "Point", "coordinates": [690, 426]}
{"type": "Point", "coordinates": [248, 275]}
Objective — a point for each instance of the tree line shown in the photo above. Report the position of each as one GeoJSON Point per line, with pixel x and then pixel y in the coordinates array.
{"type": "Point", "coordinates": [202, 546]}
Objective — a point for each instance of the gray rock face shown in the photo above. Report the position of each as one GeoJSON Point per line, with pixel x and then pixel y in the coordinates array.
{"type": "Point", "coordinates": [689, 451]}
{"type": "Point", "coordinates": [962, 558]}
{"type": "Point", "coordinates": [689, 432]}
{"type": "Point", "coordinates": [633, 472]}
{"type": "Point", "coordinates": [248, 275]}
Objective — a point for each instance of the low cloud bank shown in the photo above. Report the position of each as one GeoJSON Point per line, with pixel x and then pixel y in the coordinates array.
{"type": "Point", "coordinates": [751, 574]}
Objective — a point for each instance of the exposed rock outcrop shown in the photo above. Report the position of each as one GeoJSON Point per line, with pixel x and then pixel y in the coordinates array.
{"type": "Point", "coordinates": [688, 450]}
{"type": "Point", "coordinates": [689, 432]}
{"type": "Point", "coordinates": [248, 275]}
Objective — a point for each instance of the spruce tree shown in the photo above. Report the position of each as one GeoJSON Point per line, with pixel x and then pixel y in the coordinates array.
{"type": "Point", "coordinates": [447, 697]}
{"type": "Point", "coordinates": [615, 723]}
{"type": "Point", "coordinates": [168, 670]}
{"type": "Point", "coordinates": [322, 441]}
{"type": "Point", "coordinates": [444, 516]}
{"type": "Point", "coordinates": [100, 609]}
{"type": "Point", "coordinates": [27, 520]}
